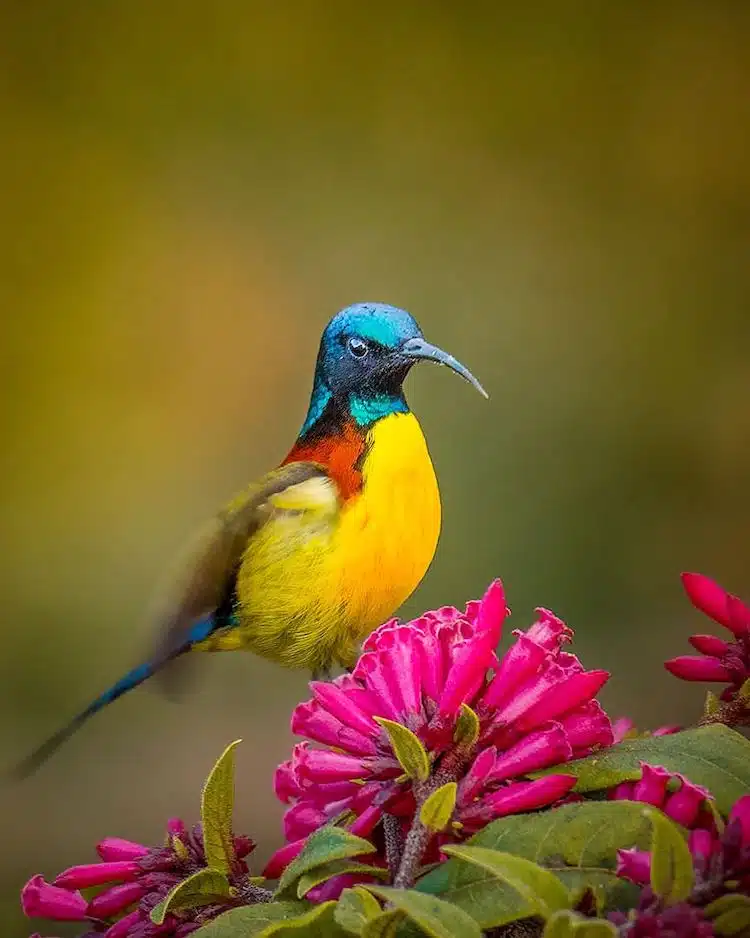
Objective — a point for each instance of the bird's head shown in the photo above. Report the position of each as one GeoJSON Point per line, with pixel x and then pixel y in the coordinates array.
{"type": "Point", "coordinates": [372, 346]}
{"type": "Point", "coordinates": [365, 354]}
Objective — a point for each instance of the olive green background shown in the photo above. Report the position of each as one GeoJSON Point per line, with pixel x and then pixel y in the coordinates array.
{"type": "Point", "coordinates": [559, 192]}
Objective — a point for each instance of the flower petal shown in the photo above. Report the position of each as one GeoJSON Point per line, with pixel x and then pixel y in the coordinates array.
{"type": "Point", "coordinates": [532, 752]}
{"type": "Point", "coordinates": [684, 805]}
{"type": "Point", "coordinates": [713, 600]}
{"type": "Point", "coordinates": [39, 899]}
{"type": "Point", "coordinates": [519, 797]}
{"type": "Point", "coordinates": [741, 812]}
{"type": "Point", "coordinates": [709, 645]}
{"type": "Point", "coordinates": [470, 664]}
{"type": "Point", "coordinates": [474, 779]}
{"type": "Point", "coordinates": [113, 849]}
{"type": "Point", "coordinates": [282, 858]}
{"type": "Point", "coordinates": [313, 720]}
{"type": "Point", "coordinates": [302, 819]}
{"type": "Point", "coordinates": [697, 668]}
{"type": "Point", "coordinates": [341, 703]}
{"type": "Point", "coordinates": [558, 699]}
{"type": "Point", "coordinates": [634, 865]}
{"type": "Point", "coordinates": [116, 899]}
{"type": "Point", "coordinates": [122, 929]}
{"type": "Point", "coordinates": [323, 765]}
{"type": "Point", "coordinates": [98, 874]}
{"type": "Point", "coordinates": [587, 728]}
{"type": "Point", "coordinates": [651, 787]}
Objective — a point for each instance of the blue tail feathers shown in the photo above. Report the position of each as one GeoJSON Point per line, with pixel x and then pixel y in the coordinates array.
{"type": "Point", "coordinates": [199, 631]}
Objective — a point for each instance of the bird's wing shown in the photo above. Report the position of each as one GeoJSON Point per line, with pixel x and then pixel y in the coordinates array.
{"type": "Point", "coordinates": [206, 576]}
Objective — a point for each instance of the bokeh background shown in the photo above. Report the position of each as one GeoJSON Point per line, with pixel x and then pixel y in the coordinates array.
{"type": "Point", "coordinates": [558, 191]}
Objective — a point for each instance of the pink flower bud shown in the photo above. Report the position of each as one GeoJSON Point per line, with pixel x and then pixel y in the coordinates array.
{"type": "Point", "coordinates": [97, 874]}
{"type": "Point", "coordinates": [116, 899]}
{"type": "Point", "coordinates": [114, 849]}
{"type": "Point", "coordinates": [695, 668]}
{"type": "Point", "coordinates": [39, 899]}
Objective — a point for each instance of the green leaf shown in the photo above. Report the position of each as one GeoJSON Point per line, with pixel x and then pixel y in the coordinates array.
{"type": "Point", "coordinates": [568, 925]}
{"type": "Point", "coordinates": [322, 873]}
{"type": "Point", "coordinates": [671, 861]}
{"type": "Point", "coordinates": [323, 846]}
{"type": "Point", "coordinates": [733, 900]}
{"type": "Point", "coordinates": [712, 704]}
{"type": "Point", "coordinates": [251, 921]}
{"type": "Point", "coordinates": [577, 842]}
{"type": "Point", "coordinates": [730, 914]}
{"type": "Point", "coordinates": [217, 804]}
{"type": "Point", "coordinates": [743, 693]}
{"type": "Point", "coordinates": [408, 749]}
{"type": "Point", "coordinates": [715, 757]}
{"type": "Point", "coordinates": [202, 888]}
{"type": "Point", "coordinates": [595, 928]}
{"type": "Point", "coordinates": [437, 810]}
{"type": "Point", "coordinates": [538, 888]}
{"type": "Point", "coordinates": [355, 909]}
{"type": "Point", "coordinates": [436, 918]}
{"type": "Point", "coordinates": [733, 922]}
{"type": "Point", "coordinates": [560, 925]}
{"type": "Point", "coordinates": [384, 925]}
{"type": "Point", "coordinates": [315, 921]}
{"type": "Point", "coordinates": [467, 727]}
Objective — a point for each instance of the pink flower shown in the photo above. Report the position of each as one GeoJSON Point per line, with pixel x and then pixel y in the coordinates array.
{"type": "Point", "coordinates": [39, 899]}
{"type": "Point", "coordinates": [721, 661]}
{"type": "Point", "coordinates": [721, 860]}
{"type": "Point", "coordinates": [136, 879]}
{"type": "Point", "coordinates": [532, 709]}
{"type": "Point", "coordinates": [671, 793]}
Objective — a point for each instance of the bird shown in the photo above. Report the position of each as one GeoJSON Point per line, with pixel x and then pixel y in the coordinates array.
{"type": "Point", "coordinates": [303, 564]}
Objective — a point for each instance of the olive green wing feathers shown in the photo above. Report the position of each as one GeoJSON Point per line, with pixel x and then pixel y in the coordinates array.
{"type": "Point", "coordinates": [202, 585]}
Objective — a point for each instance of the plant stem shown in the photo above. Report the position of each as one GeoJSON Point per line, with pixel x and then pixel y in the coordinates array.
{"type": "Point", "coordinates": [394, 843]}
{"type": "Point", "coordinates": [416, 843]}
{"type": "Point", "coordinates": [252, 893]}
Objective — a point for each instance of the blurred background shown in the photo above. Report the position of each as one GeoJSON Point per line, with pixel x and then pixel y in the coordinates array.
{"type": "Point", "coordinates": [558, 192]}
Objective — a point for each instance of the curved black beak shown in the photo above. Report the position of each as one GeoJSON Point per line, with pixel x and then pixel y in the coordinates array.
{"type": "Point", "coordinates": [420, 350]}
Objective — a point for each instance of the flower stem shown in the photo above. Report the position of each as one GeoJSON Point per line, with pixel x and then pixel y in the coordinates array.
{"type": "Point", "coordinates": [251, 894]}
{"type": "Point", "coordinates": [416, 843]}
{"type": "Point", "coordinates": [394, 843]}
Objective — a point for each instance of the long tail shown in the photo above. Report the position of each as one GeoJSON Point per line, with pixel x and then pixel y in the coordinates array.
{"type": "Point", "coordinates": [131, 680]}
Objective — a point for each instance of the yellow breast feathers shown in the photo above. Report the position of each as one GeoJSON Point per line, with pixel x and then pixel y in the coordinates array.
{"type": "Point", "coordinates": [320, 574]}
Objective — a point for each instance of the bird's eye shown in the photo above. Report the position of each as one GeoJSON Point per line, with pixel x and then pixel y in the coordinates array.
{"type": "Point", "coordinates": [357, 347]}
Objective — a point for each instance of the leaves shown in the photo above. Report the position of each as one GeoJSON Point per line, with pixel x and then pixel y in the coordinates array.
{"type": "Point", "coordinates": [437, 809]}
{"type": "Point", "coordinates": [569, 925]}
{"type": "Point", "coordinates": [467, 727]}
{"type": "Point", "coordinates": [355, 909]}
{"type": "Point", "coordinates": [538, 888]}
{"type": "Point", "coordinates": [252, 921]}
{"type": "Point", "coordinates": [408, 749]}
{"type": "Point", "coordinates": [322, 873]}
{"type": "Point", "coordinates": [436, 918]}
{"type": "Point", "coordinates": [217, 804]}
{"type": "Point", "coordinates": [671, 861]}
{"type": "Point", "coordinates": [384, 925]}
{"type": "Point", "coordinates": [577, 842]}
{"type": "Point", "coordinates": [730, 914]}
{"type": "Point", "coordinates": [715, 757]}
{"type": "Point", "coordinates": [202, 888]}
{"type": "Point", "coordinates": [325, 845]}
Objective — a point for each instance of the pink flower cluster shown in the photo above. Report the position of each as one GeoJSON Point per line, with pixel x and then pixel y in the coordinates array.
{"type": "Point", "coordinates": [531, 709]}
{"type": "Point", "coordinates": [722, 661]}
{"type": "Point", "coordinates": [136, 878]}
{"type": "Point", "coordinates": [675, 795]}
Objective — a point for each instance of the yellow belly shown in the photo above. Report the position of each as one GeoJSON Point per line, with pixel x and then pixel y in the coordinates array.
{"type": "Point", "coordinates": [308, 597]}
